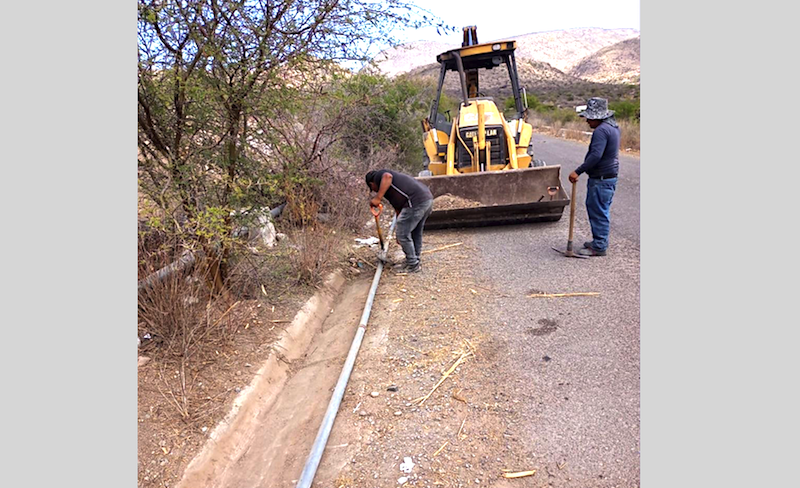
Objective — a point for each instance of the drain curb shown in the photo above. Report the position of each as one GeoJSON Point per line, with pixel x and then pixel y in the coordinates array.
{"type": "Point", "coordinates": [233, 434]}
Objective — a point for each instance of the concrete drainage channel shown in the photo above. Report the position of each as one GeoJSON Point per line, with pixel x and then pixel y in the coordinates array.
{"type": "Point", "coordinates": [274, 415]}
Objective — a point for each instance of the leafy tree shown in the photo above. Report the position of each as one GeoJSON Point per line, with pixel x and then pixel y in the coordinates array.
{"type": "Point", "coordinates": [221, 86]}
{"type": "Point", "coordinates": [384, 120]}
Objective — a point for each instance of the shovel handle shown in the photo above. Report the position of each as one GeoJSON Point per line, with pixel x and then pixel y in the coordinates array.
{"type": "Point", "coordinates": [376, 211]}
{"type": "Point", "coordinates": [572, 215]}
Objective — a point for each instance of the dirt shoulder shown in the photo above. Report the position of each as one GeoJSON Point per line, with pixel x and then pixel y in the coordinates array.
{"type": "Point", "coordinates": [427, 385]}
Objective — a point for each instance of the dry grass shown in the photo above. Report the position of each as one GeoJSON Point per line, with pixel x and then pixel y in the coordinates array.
{"type": "Point", "coordinates": [313, 250]}
{"type": "Point", "coordinates": [183, 329]}
{"type": "Point", "coordinates": [629, 136]}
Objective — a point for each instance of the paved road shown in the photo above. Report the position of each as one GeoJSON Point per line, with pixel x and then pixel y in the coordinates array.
{"type": "Point", "coordinates": [576, 359]}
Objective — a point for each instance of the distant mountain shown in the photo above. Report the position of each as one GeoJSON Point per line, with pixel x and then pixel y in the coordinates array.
{"type": "Point", "coordinates": [548, 57]}
{"type": "Point", "coordinates": [618, 63]}
{"type": "Point", "coordinates": [405, 58]}
{"type": "Point", "coordinates": [564, 49]}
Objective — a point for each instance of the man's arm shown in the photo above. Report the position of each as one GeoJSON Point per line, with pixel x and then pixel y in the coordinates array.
{"type": "Point", "coordinates": [596, 148]}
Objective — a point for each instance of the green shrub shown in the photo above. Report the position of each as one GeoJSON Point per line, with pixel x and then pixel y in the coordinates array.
{"type": "Point", "coordinates": [448, 104]}
{"type": "Point", "coordinates": [386, 119]}
{"type": "Point", "coordinates": [532, 100]}
{"type": "Point", "coordinates": [625, 109]}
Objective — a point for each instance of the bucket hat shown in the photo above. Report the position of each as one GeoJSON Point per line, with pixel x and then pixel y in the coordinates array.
{"type": "Point", "coordinates": [597, 109]}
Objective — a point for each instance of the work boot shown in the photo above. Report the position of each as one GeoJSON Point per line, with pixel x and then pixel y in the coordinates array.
{"type": "Point", "coordinates": [590, 251]}
{"type": "Point", "coordinates": [400, 267]}
{"type": "Point", "coordinates": [414, 269]}
{"type": "Point", "coordinates": [588, 244]}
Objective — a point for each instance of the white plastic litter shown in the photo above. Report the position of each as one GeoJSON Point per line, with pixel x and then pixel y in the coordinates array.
{"type": "Point", "coordinates": [368, 241]}
{"type": "Point", "coordinates": [407, 465]}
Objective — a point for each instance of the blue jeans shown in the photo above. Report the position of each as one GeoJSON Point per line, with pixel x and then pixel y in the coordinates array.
{"type": "Point", "coordinates": [408, 230]}
{"type": "Point", "coordinates": [599, 194]}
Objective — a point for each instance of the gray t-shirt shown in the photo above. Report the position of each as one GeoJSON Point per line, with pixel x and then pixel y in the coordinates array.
{"type": "Point", "coordinates": [405, 190]}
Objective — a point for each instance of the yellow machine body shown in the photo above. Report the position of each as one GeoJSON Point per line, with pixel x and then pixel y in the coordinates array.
{"type": "Point", "coordinates": [480, 141]}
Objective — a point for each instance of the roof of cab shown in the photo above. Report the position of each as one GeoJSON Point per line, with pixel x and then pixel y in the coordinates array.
{"type": "Point", "coordinates": [477, 56]}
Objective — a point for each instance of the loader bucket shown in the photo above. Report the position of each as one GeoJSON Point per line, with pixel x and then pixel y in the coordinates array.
{"type": "Point", "coordinates": [504, 197]}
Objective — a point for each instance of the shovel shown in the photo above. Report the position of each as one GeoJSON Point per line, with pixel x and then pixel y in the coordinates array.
{"type": "Point", "coordinates": [376, 211]}
{"type": "Point", "coordinates": [568, 253]}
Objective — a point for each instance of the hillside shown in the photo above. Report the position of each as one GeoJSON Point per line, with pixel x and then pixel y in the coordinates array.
{"type": "Point", "coordinates": [618, 63]}
{"type": "Point", "coordinates": [561, 50]}
{"type": "Point", "coordinates": [547, 83]}
{"type": "Point", "coordinates": [564, 49]}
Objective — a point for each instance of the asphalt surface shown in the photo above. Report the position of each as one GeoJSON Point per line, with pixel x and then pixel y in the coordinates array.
{"type": "Point", "coordinates": [575, 359]}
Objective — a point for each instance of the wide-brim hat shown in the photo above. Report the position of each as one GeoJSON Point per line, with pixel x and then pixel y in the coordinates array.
{"type": "Point", "coordinates": [597, 109]}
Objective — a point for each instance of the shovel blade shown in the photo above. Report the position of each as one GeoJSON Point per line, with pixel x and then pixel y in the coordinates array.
{"type": "Point", "coordinates": [569, 253]}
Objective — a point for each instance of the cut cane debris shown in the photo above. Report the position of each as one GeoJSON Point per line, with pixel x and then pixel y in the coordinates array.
{"type": "Point", "coordinates": [464, 357]}
{"type": "Point", "coordinates": [461, 428]}
{"type": "Point", "coordinates": [560, 295]}
{"type": "Point", "coordinates": [226, 313]}
{"type": "Point", "coordinates": [519, 474]}
{"type": "Point", "coordinates": [442, 248]}
{"type": "Point", "coordinates": [561, 466]}
{"type": "Point", "coordinates": [441, 448]}
{"type": "Point", "coordinates": [417, 350]}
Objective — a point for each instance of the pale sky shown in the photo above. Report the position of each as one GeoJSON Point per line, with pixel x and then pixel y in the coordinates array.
{"type": "Point", "coordinates": [498, 19]}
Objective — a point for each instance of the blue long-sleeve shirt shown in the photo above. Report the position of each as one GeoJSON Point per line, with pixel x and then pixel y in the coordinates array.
{"type": "Point", "coordinates": [602, 158]}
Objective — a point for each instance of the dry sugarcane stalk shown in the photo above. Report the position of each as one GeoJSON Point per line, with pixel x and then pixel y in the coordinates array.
{"type": "Point", "coordinates": [462, 427]}
{"type": "Point", "coordinates": [463, 357]}
{"type": "Point", "coordinates": [224, 314]}
{"type": "Point", "coordinates": [519, 474]}
{"type": "Point", "coordinates": [442, 248]}
{"type": "Point", "coordinates": [558, 295]}
{"type": "Point", "coordinates": [415, 349]}
{"type": "Point", "coordinates": [471, 347]}
{"type": "Point", "coordinates": [440, 449]}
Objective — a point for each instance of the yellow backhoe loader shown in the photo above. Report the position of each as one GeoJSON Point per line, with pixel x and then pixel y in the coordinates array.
{"type": "Point", "coordinates": [479, 155]}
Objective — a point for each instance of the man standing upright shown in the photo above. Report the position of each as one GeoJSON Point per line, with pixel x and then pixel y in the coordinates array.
{"type": "Point", "coordinates": [413, 203]}
{"type": "Point", "coordinates": [601, 164]}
